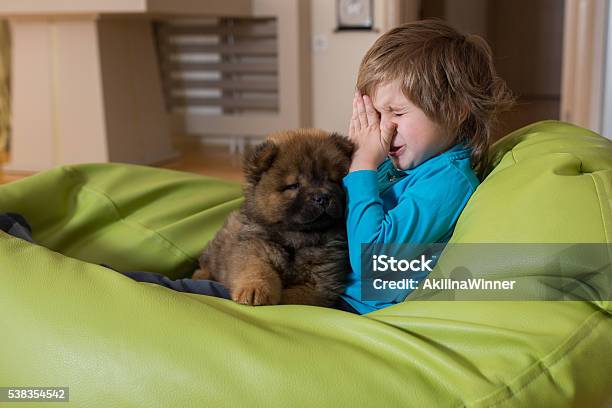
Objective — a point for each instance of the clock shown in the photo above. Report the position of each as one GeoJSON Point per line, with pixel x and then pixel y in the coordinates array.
{"type": "Point", "coordinates": [355, 14]}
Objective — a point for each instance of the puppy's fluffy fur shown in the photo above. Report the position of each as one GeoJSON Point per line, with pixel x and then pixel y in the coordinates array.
{"type": "Point", "coordinates": [287, 244]}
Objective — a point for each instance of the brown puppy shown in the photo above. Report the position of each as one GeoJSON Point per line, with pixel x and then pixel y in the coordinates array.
{"type": "Point", "coordinates": [287, 244]}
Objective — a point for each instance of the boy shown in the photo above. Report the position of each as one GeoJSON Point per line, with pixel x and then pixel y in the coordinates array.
{"type": "Point", "coordinates": [426, 99]}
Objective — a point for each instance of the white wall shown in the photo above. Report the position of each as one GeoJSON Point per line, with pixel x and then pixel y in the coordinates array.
{"type": "Point", "coordinates": [335, 61]}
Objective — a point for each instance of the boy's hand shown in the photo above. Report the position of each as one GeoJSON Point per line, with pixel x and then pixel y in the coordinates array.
{"type": "Point", "coordinates": [365, 131]}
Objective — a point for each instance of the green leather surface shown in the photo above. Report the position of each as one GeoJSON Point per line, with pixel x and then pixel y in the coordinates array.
{"type": "Point", "coordinates": [115, 342]}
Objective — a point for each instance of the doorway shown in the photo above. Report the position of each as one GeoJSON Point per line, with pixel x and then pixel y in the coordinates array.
{"type": "Point", "coordinates": [526, 37]}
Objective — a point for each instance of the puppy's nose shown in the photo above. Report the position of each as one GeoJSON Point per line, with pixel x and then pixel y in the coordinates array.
{"type": "Point", "coordinates": [321, 199]}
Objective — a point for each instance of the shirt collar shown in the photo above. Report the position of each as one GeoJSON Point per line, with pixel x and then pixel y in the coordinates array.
{"type": "Point", "coordinates": [458, 151]}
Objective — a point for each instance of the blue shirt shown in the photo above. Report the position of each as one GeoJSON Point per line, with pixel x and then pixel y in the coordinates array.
{"type": "Point", "coordinates": [419, 205]}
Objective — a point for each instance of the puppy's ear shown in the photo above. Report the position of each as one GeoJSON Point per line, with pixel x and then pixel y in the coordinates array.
{"type": "Point", "coordinates": [344, 144]}
{"type": "Point", "coordinates": [259, 160]}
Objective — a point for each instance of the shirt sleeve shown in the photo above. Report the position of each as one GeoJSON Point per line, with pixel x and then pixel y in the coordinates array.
{"type": "Point", "coordinates": [425, 211]}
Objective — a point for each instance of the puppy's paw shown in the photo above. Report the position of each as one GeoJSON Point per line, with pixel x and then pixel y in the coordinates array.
{"type": "Point", "coordinates": [256, 294]}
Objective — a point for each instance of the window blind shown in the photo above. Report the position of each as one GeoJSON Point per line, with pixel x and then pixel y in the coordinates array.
{"type": "Point", "coordinates": [219, 66]}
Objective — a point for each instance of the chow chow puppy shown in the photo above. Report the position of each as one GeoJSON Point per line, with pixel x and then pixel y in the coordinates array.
{"type": "Point", "coordinates": [287, 243]}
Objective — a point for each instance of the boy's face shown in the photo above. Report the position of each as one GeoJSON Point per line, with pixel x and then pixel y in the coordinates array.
{"type": "Point", "coordinates": [417, 138]}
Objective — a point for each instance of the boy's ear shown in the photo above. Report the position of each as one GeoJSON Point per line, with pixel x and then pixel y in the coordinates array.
{"type": "Point", "coordinates": [344, 144]}
{"type": "Point", "coordinates": [259, 160]}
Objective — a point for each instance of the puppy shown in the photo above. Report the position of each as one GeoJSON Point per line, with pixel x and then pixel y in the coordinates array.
{"type": "Point", "coordinates": [287, 243]}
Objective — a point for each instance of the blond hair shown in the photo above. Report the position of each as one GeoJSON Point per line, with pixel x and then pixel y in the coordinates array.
{"type": "Point", "coordinates": [448, 75]}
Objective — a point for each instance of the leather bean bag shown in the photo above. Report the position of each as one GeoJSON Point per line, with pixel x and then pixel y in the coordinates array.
{"type": "Point", "coordinates": [67, 321]}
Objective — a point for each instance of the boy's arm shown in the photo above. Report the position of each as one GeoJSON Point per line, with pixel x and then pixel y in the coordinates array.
{"type": "Point", "coordinates": [424, 213]}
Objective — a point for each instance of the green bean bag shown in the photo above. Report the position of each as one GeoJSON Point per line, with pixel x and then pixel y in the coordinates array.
{"type": "Point", "coordinates": [68, 322]}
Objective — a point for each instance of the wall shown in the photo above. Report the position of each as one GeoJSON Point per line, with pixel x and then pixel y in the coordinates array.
{"type": "Point", "coordinates": [335, 61]}
{"type": "Point", "coordinates": [336, 56]}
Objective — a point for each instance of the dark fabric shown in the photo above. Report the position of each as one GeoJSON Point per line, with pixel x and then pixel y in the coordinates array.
{"type": "Point", "coordinates": [200, 286]}
{"type": "Point", "coordinates": [16, 225]}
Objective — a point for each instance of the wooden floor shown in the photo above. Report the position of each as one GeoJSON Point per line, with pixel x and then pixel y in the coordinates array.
{"type": "Point", "coordinates": [215, 161]}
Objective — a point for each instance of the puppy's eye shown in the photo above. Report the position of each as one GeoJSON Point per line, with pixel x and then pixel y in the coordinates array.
{"type": "Point", "coordinates": [293, 186]}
